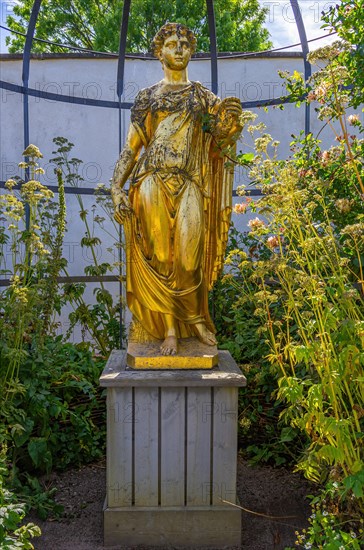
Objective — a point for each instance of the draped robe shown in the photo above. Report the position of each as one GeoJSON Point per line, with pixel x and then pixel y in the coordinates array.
{"type": "Point", "coordinates": [180, 195]}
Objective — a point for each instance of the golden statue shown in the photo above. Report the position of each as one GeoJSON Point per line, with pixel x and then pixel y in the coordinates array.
{"type": "Point", "coordinates": [177, 215]}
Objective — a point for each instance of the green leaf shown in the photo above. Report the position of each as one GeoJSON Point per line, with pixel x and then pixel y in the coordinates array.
{"type": "Point", "coordinates": [39, 453]}
{"type": "Point", "coordinates": [355, 483]}
{"type": "Point", "coordinates": [21, 432]}
{"type": "Point", "coordinates": [287, 434]}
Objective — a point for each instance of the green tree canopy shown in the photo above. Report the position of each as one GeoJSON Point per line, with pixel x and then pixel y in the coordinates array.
{"type": "Point", "coordinates": [95, 24]}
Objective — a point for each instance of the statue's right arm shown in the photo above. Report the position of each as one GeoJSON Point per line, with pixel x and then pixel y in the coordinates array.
{"type": "Point", "coordinates": [124, 167]}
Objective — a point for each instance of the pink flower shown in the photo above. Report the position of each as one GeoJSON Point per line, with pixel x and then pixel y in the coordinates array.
{"type": "Point", "coordinates": [242, 207]}
{"type": "Point", "coordinates": [320, 93]}
{"type": "Point", "coordinates": [325, 157]}
{"type": "Point", "coordinates": [273, 241]}
{"type": "Point", "coordinates": [311, 96]}
{"type": "Point", "coordinates": [256, 223]}
{"type": "Point", "coordinates": [353, 119]}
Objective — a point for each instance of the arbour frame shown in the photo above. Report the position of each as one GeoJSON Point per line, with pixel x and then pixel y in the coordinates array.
{"type": "Point", "coordinates": [120, 105]}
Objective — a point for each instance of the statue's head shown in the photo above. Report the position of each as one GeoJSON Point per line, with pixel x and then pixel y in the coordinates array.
{"type": "Point", "coordinates": [169, 29]}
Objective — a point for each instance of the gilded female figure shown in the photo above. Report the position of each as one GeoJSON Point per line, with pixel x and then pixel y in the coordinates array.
{"type": "Point", "coordinates": [177, 213]}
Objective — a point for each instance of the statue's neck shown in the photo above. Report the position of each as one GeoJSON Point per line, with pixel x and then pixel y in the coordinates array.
{"type": "Point", "coordinates": [175, 77]}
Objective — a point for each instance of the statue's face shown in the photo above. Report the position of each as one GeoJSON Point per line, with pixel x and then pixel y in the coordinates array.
{"type": "Point", "coordinates": [176, 52]}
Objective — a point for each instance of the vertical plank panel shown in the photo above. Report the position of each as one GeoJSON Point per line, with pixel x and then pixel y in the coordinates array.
{"type": "Point", "coordinates": [199, 414]}
{"type": "Point", "coordinates": [146, 446]}
{"type": "Point", "coordinates": [119, 447]}
{"type": "Point", "coordinates": [224, 445]}
{"type": "Point", "coordinates": [172, 447]}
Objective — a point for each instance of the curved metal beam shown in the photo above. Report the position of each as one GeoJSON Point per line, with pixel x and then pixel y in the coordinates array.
{"type": "Point", "coordinates": [125, 104]}
{"type": "Point", "coordinates": [213, 44]}
{"type": "Point", "coordinates": [25, 78]}
{"type": "Point", "coordinates": [26, 65]}
{"type": "Point", "coordinates": [305, 51]}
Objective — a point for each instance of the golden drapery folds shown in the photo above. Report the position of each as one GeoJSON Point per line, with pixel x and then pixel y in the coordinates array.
{"type": "Point", "coordinates": [180, 196]}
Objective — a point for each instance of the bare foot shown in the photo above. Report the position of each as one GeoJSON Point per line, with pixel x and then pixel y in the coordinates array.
{"type": "Point", "coordinates": [205, 335]}
{"type": "Point", "coordinates": [169, 346]}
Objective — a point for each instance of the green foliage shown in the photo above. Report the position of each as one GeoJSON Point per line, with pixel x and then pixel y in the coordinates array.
{"type": "Point", "coordinates": [52, 413]}
{"type": "Point", "coordinates": [309, 311]}
{"type": "Point", "coordinates": [12, 513]}
{"type": "Point", "coordinates": [304, 284]}
{"type": "Point", "coordinates": [237, 329]}
{"type": "Point", "coordinates": [64, 409]}
{"type": "Point", "coordinates": [96, 25]}
{"type": "Point", "coordinates": [347, 20]}
{"type": "Point", "coordinates": [262, 436]}
{"type": "Point", "coordinates": [55, 419]}
{"type": "Point", "coordinates": [101, 320]}
{"type": "Point", "coordinates": [36, 226]}
{"type": "Point", "coordinates": [333, 524]}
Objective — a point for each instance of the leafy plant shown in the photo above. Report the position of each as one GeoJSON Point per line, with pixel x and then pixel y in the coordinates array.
{"type": "Point", "coordinates": [347, 20]}
{"type": "Point", "coordinates": [53, 412]}
{"type": "Point", "coordinates": [12, 513]}
{"type": "Point", "coordinates": [100, 320]}
{"type": "Point", "coordinates": [334, 523]}
{"type": "Point", "coordinates": [316, 334]}
{"type": "Point", "coordinates": [304, 284]}
{"type": "Point", "coordinates": [262, 436]}
{"type": "Point", "coordinates": [58, 418]}
{"type": "Point", "coordinates": [34, 235]}
{"type": "Point", "coordinates": [54, 420]}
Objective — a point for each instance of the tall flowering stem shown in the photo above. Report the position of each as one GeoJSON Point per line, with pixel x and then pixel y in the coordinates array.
{"type": "Point", "coordinates": [23, 305]}
{"type": "Point", "coordinates": [57, 263]}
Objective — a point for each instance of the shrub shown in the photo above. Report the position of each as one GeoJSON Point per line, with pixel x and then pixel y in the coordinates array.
{"type": "Point", "coordinates": [12, 514]}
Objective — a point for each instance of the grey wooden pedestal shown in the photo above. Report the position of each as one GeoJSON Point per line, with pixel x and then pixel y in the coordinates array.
{"type": "Point", "coordinates": [171, 455]}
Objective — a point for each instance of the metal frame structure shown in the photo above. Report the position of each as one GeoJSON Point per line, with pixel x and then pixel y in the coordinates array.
{"type": "Point", "coordinates": [120, 105]}
{"type": "Point", "coordinates": [26, 91]}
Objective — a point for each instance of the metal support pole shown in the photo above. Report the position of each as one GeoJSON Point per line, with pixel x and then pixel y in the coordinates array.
{"type": "Point", "coordinates": [119, 91]}
{"type": "Point", "coordinates": [305, 51]}
{"type": "Point", "coordinates": [213, 44]}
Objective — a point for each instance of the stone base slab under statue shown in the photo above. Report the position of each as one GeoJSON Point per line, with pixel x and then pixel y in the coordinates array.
{"type": "Point", "coordinates": [192, 354]}
{"type": "Point", "coordinates": [172, 455]}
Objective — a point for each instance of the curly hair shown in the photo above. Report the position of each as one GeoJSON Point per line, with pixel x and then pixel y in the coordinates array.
{"type": "Point", "coordinates": [167, 30]}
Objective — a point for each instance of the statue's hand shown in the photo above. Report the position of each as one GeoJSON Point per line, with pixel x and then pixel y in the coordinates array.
{"type": "Point", "coordinates": [121, 204]}
{"type": "Point", "coordinates": [228, 117]}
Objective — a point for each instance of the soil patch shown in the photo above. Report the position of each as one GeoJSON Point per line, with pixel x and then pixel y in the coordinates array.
{"type": "Point", "coordinates": [263, 491]}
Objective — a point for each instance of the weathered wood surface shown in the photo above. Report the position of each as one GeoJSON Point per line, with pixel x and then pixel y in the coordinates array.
{"type": "Point", "coordinates": [146, 440]}
{"type": "Point", "coordinates": [224, 445]}
{"type": "Point", "coordinates": [117, 374]}
{"type": "Point", "coordinates": [119, 447]}
{"type": "Point", "coordinates": [172, 447]}
{"type": "Point", "coordinates": [198, 457]}
{"type": "Point", "coordinates": [177, 527]}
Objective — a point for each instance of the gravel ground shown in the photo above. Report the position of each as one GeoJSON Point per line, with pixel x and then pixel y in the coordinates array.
{"type": "Point", "coordinates": [273, 501]}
